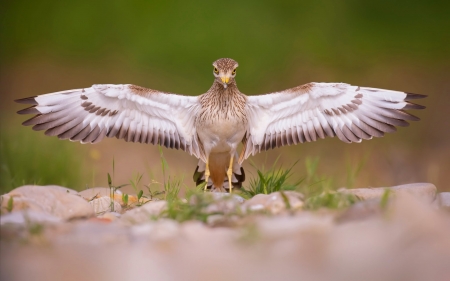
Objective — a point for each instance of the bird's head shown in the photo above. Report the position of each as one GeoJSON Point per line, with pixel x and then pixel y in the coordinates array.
{"type": "Point", "coordinates": [225, 71]}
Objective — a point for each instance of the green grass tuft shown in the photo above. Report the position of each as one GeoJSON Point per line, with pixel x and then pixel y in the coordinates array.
{"type": "Point", "coordinates": [195, 207]}
{"type": "Point", "coordinates": [319, 190]}
{"type": "Point", "coordinates": [330, 200]}
{"type": "Point", "coordinates": [273, 180]}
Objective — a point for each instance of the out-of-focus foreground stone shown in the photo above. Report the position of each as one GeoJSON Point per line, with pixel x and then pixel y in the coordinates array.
{"type": "Point", "coordinates": [274, 203]}
{"type": "Point", "coordinates": [404, 239]}
{"type": "Point", "coordinates": [422, 191]}
{"type": "Point", "coordinates": [103, 204]}
{"type": "Point", "coordinates": [443, 199]}
{"type": "Point", "coordinates": [58, 201]}
{"type": "Point", "coordinates": [144, 213]}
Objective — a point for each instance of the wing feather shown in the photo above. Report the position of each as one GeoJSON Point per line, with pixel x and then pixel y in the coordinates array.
{"type": "Point", "coordinates": [125, 111]}
{"type": "Point", "coordinates": [316, 110]}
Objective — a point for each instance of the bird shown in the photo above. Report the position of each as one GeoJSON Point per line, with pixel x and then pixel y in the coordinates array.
{"type": "Point", "coordinates": [212, 125]}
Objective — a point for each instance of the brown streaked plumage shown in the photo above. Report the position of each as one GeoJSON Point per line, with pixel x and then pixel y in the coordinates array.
{"type": "Point", "coordinates": [211, 126]}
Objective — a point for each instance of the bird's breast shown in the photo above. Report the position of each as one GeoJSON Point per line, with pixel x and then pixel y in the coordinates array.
{"type": "Point", "coordinates": [222, 122]}
{"type": "Point", "coordinates": [221, 135]}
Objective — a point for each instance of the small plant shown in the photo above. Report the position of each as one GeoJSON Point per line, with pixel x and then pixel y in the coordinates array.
{"type": "Point", "coordinates": [135, 181]}
{"type": "Point", "coordinates": [171, 187]}
{"type": "Point", "coordinates": [271, 181]}
{"type": "Point", "coordinates": [125, 200]}
{"type": "Point", "coordinates": [153, 194]}
{"type": "Point", "coordinates": [385, 198]}
{"type": "Point", "coordinates": [330, 200]}
{"type": "Point", "coordinates": [10, 204]}
{"type": "Point", "coordinates": [112, 188]}
{"type": "Point", "coordinates": [191, 208]}
{"type": "Point", "coordinates": [139, 196]}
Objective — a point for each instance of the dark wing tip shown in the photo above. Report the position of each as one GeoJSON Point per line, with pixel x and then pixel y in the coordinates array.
{"type": "Point", "coordinates": [30, 121]}
{"type": "Point", "coordinates": [410, 105]}
{"type": "Point", "coordinates": [29, 110]}
{"type": "Point", "coordinates": [411, 96]}
{"type": "Point", "coordinates": [29, 100]}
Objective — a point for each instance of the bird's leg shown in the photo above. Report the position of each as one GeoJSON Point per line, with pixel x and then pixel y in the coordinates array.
{"type": "Point", "coordinates": [207, 174]}
{"type": "Point", "coordinates": [230, 173]}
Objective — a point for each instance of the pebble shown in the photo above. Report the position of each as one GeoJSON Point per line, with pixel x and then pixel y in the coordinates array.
{"type": "Point", "coordinates": [145, 212]}
{"type": "Point", "coordinates": [23, 217]}
{"type": "Point", "coordinates": [55, 200]}
{"type": "Point", "coordinates": [110, 216]}
{"type": "Point", "coordinates": [224, 203]}
{"type": "Point", "coordinates": [443, 199]}
{"type": "Point", "coordinates": [97, 192]}
{"type": "Point", "coordinates": [62, 188]}
{"type": "Point", "coordinates": [222, 195]}
{"type": "Point", "coordinates": [361, 210]}
{"type": "Point", "coordinates": [103, 204]}
{"type": "Point", "coordinates": [274, 202]}
{"type": "Point", "coordinates": [423, 191]}
{"type": "Point", "coordinates": [156, 230]}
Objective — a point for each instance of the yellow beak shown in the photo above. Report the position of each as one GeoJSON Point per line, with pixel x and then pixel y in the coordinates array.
{"type": "Point", "coordinates": [225, 79]}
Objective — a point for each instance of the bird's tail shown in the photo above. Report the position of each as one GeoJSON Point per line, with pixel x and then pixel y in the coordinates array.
{"type": "Point", "coordinates": [237, 179]}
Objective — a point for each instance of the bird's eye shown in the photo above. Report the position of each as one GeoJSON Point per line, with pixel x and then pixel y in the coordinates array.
{"type": "Point", "coordinates": [234, 72]}
{"type": "Point", "coordinates": [216, 71]}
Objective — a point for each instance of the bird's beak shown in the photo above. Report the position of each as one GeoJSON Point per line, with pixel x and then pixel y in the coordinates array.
{"type": "Point", "coordinates": [225, 79]}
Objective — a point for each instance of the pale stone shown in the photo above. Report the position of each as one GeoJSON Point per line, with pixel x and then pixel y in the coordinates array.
{"type": "Point", "coordinates": [361, 210]}
{"type": "Point", "coordinates": [274, 202]}
{"type": "Point", "coordinates": [223, 203]}
{"type": "Point", "coordinates": [443, 199]}
{"type": "Point", "coordinates": [221, 195]}
{"type": "Point", "coordinates": [103, 204]}
{"type": "Point", "coordinates": [54, 200]}
{"type": "Point", "coordinates": [156, 230]}
{"type": "Point", "coordinates": [112, 216]}
{"type": "Point", "coordinates": [145, 212]}
{"type": "Point", "coordinates": [62, 188]}
{"type": "Point", "coordinates": [97, 192]}
{"type": "Point", "coordinates": [26, 216]}
{"type": "Point", "coordinates": [424, 191]}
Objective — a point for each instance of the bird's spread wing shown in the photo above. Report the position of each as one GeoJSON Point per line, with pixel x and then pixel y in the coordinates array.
{"type": "Point", "coordinates": [317, 110]}
{"type": "Point", "coordinates": [129, 112]}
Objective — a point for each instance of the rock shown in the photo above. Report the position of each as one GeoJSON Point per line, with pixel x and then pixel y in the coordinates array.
{"type": "Point", "coordinates": [27, 216]}
{"type": "Point", "coordinates": [103, 204]}
{"type": "Point", "coordinates": [274, 202]}
{"type": "Point", "coordinates": [361, 210]}
{"type": "Point", "coordinates": [62, 188]}
{"type": "Point", "coordinates": [97, 192]}
{"type": "Point", "coordinates": [109, 216]}
{"type": "Point", "coordinates": [223, 203]}
{"type": "Point", "coordinates": [221, 195]}
{"type": "Point", "coordinates": [93, 232]}
{"type": "Point", "coordinates": [54, 200]}
{"type": "Point", "coordinates": [443, 199]}
{"type": "Point", "coordinates": [156, 230]}
{"type": "Point", "coordinates": [145, 212]}
{"type": "Point", "coordinates": [423, 191]}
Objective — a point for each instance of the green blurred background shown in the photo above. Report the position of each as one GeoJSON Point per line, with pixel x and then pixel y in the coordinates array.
{"type": "Point", "coordinates": [51, 45]}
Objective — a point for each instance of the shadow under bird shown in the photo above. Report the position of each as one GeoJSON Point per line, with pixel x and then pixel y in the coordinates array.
{"type": "Point", "coordinates": [212, 125]}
